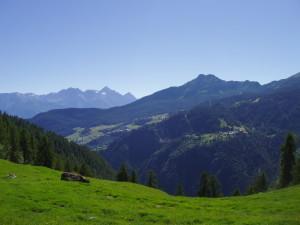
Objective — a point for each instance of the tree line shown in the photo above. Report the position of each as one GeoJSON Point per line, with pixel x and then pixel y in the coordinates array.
{"type": "Point", "coordinates": [22, 142]}
{"type": "Point", "coordinates": [209, 184]}
{"type": "Point", "coordinates": [211, 187]}
{"type": "Point", "coordinates": [123, 176]}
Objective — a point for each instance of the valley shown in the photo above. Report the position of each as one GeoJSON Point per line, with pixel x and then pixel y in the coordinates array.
{"type": "Point", "coordinates": [231, 129]}
{"type": "Point", "coordinates": [149, 112]}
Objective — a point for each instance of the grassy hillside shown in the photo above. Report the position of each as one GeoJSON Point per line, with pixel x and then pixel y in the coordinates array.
{"type": "Point", "coordinates": [37, 196]}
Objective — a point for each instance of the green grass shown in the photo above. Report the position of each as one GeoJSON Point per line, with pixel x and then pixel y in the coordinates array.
{"type": "Point", "coordinates": [37, 196]}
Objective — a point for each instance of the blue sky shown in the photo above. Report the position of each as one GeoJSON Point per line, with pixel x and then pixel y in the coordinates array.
{"type": "Point", "coordinates": [144, 45]}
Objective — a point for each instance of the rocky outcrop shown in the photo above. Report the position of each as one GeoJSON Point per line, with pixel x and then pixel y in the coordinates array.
{"type": "Point", "coordinates": [74, 177]}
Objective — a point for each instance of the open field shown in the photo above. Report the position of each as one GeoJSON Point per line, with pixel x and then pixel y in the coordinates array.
{"type": "Point", "coordinates": [37, 197]}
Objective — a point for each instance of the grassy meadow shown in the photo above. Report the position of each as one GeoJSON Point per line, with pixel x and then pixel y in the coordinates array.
{"type": "Point", "coordinates": [37, 196]}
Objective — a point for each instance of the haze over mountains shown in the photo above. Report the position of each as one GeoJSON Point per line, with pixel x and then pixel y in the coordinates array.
{"type": "Point", "coordinates": [204, 88]}
{"type": "Point", "coordinates": [231, 129]}
{"type": "Point", "coordinates": [28, 105]}
{"type": "Point", "coordinates": [201, 89]}
{"type": "Point", "coordinates": [234, 139]}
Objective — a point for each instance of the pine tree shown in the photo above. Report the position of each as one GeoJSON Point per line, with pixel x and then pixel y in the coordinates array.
{"type": "Point", "coordinates": [14, 151]}
{"type": "Point", "coordinates": [180, 190]}
{"type": "Point", "coordinates": [25, 148]}
{"type": "Point", "coordinates": [76, 169]}
{"type": "Point", "coordinates": [260, 184]}
{"type": "Point", "coordinates": [33, 147]}
{"type": "Point", "coordinates": [85, 171]}
{"type": "Point", "coordinates": [209, 186]}
{"type": "Point", "coordinates": [236, 192]}
{"type": "Point", "coordinates": [204, 190]}
{"type": "Point", "coordinates": [45, 153]}
{"type": "Point", "coordinates": [287, 161]}
{"type": "Point", "coordinates": [296, 172]}
{"type": "Point", "coordinates": [250, 190]}
{"type": "Point", "coordinates": [215, 186]}
{"type": "Point", "coordinates": [152, 180]}
{"type": "Point", "coordinates": [133, 177]}
{"type": "Point", "coordinates": [3, 139]}
{"type": "Point", "coordinates": [123, 174]}
{"type": "Point", "coordinates": [59, 165]}
{"type": "Point", "coordinates": [2, 131]}
{"type": "Point", "coordinates": [68, 166]}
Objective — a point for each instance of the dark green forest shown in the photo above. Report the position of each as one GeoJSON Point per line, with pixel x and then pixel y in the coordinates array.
{"type": "Point", "coordinates": [22, 142]}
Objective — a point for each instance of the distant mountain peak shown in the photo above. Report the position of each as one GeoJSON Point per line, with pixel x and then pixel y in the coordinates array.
{"type": "Point", "coordinates": [129, 95]}
{"type": "Point", "coordinates": [204, 80]}
{"type": "Point", "coordinates": [106, 89]}
{"type": "Point", "coordinates": [208, 76]}
{"type": "Point", "coordinates": [29, 104]}
{"type": "Point", "coordinates": [70, 90]}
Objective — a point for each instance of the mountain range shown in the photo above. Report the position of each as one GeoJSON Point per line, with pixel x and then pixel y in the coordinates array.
{"type": "Point", "coordinates": [229, 128]}
{"type": "Point", "coordinates": [28, 105]}
{"type": "Point", "coordinates": [234, 139]}
{"type": "Point", "coordinates": [203, 88]}
{"type": "Point", "coordinates": [85, 126]}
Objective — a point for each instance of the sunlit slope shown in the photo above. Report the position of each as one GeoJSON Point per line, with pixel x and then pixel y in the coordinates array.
{"type": "Point", "coordinates": [37, 196]}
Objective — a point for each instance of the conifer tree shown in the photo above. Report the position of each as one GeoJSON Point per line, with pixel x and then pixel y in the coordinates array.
{"type": "Point", "coordinates": [152, 180]}
{"type": "Point", "coordinates": [76, 169]}
{"type": "Point", "coordinates": [260, 184]}
{"type": "Point", "coordinates": [3, 140]}
{"type": "Point", "coordinates": [209, 186]}
{"type": "Point", "coordinates": [123, 174]}
{"type": "Point", "coordinates": [250, 190]}
{"type": "Point", "coordinates": [68, 166]}
{"type": "Point", "coordinates": [179, 190]}
{"type": "Point", "coordinates": [25, 148]}
{"type": "Point", "coordinates": [85, 171]}
{"type": "Point", "coordinates": [59, 165]}
{"type": "Point", "coordinates": [14, 148]}
{"type": "Point", "coordinates": [45, 153]}
{"type": "Point", "coordinates": [2, 132]}
{"type": "Point", "coordinates": [287, 161]}
{"type": "Point", "coordinates": [204, 190]}
{"type": "Point", "coordinates": [236, 192]}
{"type": "Point", "coordinates": [296, 173]}
{"type": "Point", "coordinates": [133, 177]}
{"type": "Point", "coordinates": [215, 187]}
{"type": "Point", "coordinates": [33, 147]}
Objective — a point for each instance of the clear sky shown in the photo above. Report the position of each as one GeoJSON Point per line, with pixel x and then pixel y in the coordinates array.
{"type": "Point", "coordinates": [142, 46]}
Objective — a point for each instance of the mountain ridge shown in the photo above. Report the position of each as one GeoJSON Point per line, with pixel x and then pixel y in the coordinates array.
{"type": "Point", "coordinates": [27, 105]}
{"type": "Point", "coordinates": [232, 116]}
{"type": "Point", "coordinates": [168, 100]}
{"type": "Point", "coordinates": [234, 139]}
